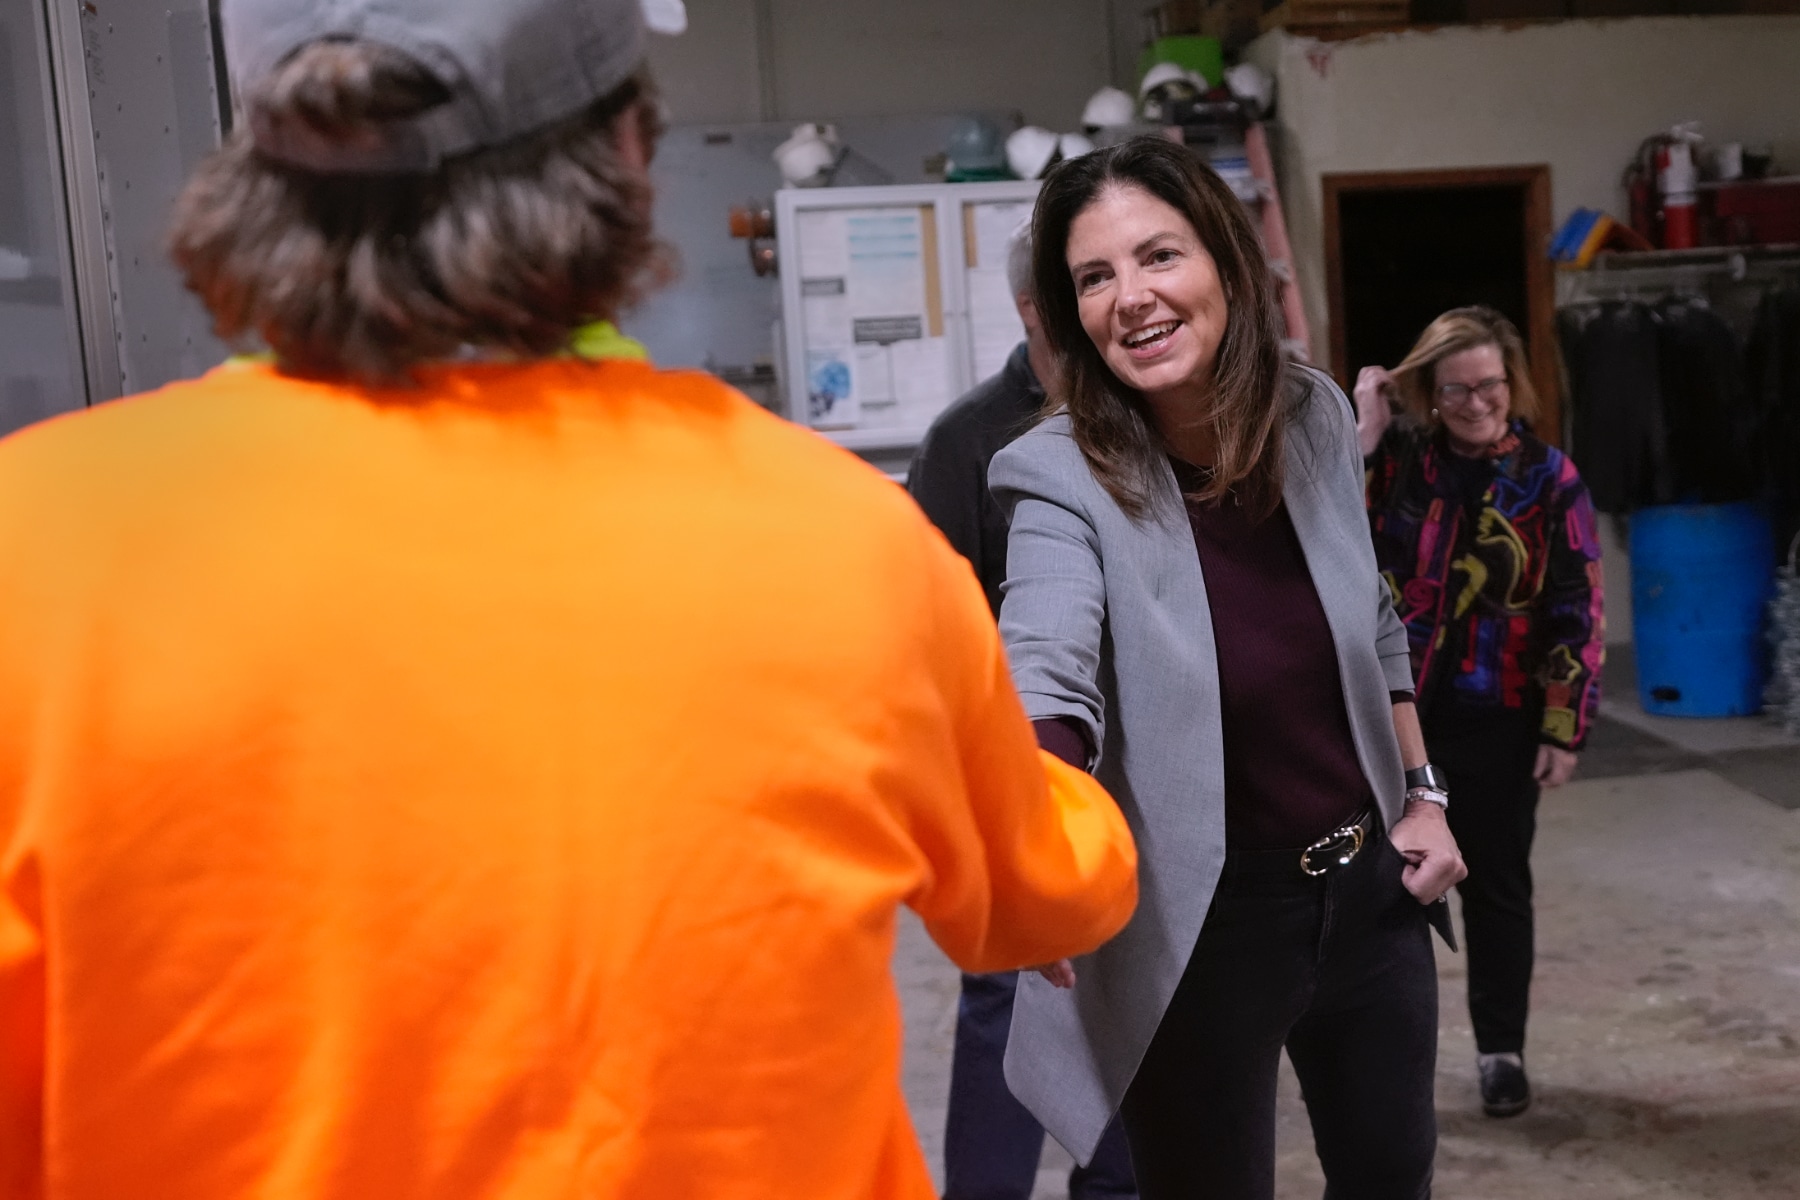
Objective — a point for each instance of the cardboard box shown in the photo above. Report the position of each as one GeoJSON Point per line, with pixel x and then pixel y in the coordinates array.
{"type": "Point", "coordinates": [1234, 22]}
{"type": "Point", "coordinates": [1516, 10]}
{"type": "Point", "coordinates": [1180, 16]}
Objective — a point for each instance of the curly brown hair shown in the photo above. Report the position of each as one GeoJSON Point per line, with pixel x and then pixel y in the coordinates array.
{"type": "Point", "coordinates": [1253, 394]}
{"type": "Point", "coordinates": [363, 276]}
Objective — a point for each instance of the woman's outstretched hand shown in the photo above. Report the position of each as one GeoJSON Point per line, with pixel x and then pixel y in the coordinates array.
{"type": "Point", "coordinates": [1433, 863]}
{"type": "Point", "coordinates": [1375, 393]}
{"type": "Point", "coordinates": [1061, 973]}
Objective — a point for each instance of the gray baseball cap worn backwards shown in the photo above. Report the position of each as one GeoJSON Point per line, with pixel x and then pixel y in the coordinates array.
{"type": "Point", "coordinates": [510, 66]}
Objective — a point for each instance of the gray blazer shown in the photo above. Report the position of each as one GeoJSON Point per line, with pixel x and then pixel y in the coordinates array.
{"type": "Point", "coordinates": [1105, 620]}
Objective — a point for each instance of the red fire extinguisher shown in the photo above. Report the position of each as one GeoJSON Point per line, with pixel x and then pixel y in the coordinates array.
{"type": "Point", "coordinates": [1676, 181]}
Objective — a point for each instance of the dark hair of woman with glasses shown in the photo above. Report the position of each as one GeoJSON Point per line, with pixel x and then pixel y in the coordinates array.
{"type": "Point", "coordinates": [1487, 539]}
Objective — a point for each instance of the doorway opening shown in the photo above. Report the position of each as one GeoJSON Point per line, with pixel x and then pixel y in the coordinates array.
{"type": "Point", "coordinates": [1403, 246]}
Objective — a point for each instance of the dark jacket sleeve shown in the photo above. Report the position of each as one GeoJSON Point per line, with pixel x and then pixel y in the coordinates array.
{"type": "Point", "coordinates": [1065, 738]}
{"type": "Point", "coordinates": [949, 481]}
{"type": "Point", "coordinates": [1381, 467]}
{"type": "Point", "coordinates": [1571, 623]}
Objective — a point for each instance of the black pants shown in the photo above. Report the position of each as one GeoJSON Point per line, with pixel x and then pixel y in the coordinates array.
{"type": "Point", "coordinates": [1339, 970]}
{"type": "Point", "coordinates": [991, 1142]}
{"type": "Point", "coordinates": [1488, 766]}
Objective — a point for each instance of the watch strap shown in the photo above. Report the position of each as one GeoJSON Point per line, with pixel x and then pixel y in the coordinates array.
{"type": "Point", "coordinates": [1426, 776]}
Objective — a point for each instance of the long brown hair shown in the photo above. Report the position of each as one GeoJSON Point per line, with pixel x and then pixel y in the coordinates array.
{"type": "Point", "coordinates": [362, 276]}
{"type": "Point", "coordinates": [1455, 331]}
{"type": "Point", "coordinates": [1252, 394]}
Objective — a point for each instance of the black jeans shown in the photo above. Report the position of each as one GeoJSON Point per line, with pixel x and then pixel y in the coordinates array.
{"type": "Point", "coordinates": [1488, 766]}
{"type": "Point", "coordinates": [991, 1142]}
{"type": "Point", "coordinates": [1339, 970]}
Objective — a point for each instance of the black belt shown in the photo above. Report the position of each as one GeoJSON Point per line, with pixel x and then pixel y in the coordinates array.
{"type": "Point", "coordinates": [1326, 856]}
{"type": "Point", "coordinates": [1335, 850]}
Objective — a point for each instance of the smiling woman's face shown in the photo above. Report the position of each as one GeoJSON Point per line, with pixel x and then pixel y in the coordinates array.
{"type": "Point", "coordinates": [1149, 293]}
{"type": "Point", "coordinates": [1471, 394]}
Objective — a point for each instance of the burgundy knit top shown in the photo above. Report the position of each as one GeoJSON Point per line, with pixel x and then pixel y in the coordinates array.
{"type": "Point", "coordinates": [1291, 772]}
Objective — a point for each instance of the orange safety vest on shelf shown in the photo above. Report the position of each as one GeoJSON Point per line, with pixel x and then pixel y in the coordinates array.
{"type": "Point", "coordinates": [502, 787]}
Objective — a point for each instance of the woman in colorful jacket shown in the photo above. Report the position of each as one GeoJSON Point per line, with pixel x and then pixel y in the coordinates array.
{"type": "Point", "coordinates": [1487, 538]}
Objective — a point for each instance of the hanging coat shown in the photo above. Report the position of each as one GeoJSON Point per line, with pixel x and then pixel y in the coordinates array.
{"type": "Point", "coordinates": [1619, 433]}
{"type": "Point", "coordinates": [1772, 370]}
{"type": "Point", "coordinates": [1709, 420]}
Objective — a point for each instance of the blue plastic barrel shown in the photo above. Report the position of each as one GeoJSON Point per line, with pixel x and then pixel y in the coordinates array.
{"type": "Point", "coordinates": [1701, 578]}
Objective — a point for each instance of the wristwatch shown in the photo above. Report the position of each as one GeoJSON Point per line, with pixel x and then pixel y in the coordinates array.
{"type": "Point", "coordinates": [1427, 776]}
{"type": "Point", "coordinates": [1424, 783]}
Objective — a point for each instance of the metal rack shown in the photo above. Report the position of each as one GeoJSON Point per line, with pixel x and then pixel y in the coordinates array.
{"type": "Point", "coordinates": [1731, 280]}
{"type": "Point", "coordinates": [1634, 275]}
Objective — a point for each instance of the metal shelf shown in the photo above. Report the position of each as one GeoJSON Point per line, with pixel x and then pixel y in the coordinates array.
{"type": "Point", "coordinates": [1636, 274]}
{"type": "Point", "coordinates": [1729, 258]}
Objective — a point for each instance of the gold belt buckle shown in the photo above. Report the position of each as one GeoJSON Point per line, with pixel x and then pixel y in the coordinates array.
{"type": "Point", "coordinates": [1343, 842]}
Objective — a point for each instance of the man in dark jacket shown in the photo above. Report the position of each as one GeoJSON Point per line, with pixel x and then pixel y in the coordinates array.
{"type": "Point", "coordinates": [991, 1143]}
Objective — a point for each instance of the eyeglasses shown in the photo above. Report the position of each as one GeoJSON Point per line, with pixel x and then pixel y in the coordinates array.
{"type": "Point", "coordinates": [1456, 395]}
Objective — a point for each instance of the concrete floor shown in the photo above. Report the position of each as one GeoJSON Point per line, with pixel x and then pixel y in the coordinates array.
{"type": "Point", "coordinates": [1665, 1041]}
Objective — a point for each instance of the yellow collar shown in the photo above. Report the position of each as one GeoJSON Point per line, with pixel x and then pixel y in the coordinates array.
{"type": "Point", "coordinates": [595, 341]}
{"type": "Point", "coordinates": [602, 339]}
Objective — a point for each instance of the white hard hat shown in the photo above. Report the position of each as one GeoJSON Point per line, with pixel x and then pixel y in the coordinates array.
{"type": "Point", "coordinates": [1249, 82]}
{"type": "Point", "coordinates": [1168, 72]}
{"type": "Point", "coordinates": [1030, 150]}
{"type": "Point", "coordinates": [1107, 107]}
{"type": "Point", "coordinates": [1073, 145]}
{"type": "Point", "coordinates": [806, 156]}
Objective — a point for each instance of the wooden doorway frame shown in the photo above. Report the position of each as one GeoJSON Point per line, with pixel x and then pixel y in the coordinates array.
{"type": "Point", "coordinates": [1540, 282]}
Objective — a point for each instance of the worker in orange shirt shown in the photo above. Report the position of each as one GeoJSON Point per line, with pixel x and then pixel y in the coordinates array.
{"type": "Point", "coordinates": [450, 757]}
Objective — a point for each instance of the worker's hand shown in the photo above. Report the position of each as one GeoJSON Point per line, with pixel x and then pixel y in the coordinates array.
{"type": "Point", "coordinates": [1375, 396]}
{"type": "Point", "coordinates": [1061, 973]}
{"type": "Point", "coordinates": [1555, 766]}
{"type": "Point", "coordinates": [1433, 863]}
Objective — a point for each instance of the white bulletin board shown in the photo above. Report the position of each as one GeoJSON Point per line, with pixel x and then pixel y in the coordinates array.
{"type": "Point", "coordinates": [872, 315]}
{"type": "Point", "coordinates": [994, 325]}
{"type": "Point", "coordinates": [894, 303]}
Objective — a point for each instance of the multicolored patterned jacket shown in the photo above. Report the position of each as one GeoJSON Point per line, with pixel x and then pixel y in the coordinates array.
{"type": "Point", "coordinates": [1500, 591]}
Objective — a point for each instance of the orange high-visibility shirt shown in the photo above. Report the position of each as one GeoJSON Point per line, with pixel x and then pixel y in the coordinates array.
{"type": "Point", "coordinates": [501, 788]}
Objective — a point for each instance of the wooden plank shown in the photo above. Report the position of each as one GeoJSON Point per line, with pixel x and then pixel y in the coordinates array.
{"type": "Point", "coordinates": [1540, 299]}
{"type": "Point", "coordinates": [1336, 340]}
{"type": "Point", "coordinates": [1356, 6]}
{"type": "Point", "coordinates": [934, 272]}
{"type": "Point", "coordinates": [1539, 327]}
{"type": "Point", "coordinates": [1276, 246]}
{"type": "Point", "coordinates": [1346, 13]}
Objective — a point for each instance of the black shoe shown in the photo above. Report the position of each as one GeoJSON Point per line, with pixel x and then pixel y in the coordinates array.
{"type": "Point", "coordinates": [1505, 1092]}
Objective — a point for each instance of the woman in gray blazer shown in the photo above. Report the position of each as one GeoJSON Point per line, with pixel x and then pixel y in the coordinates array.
{"type": "Point", "coordinates": [1192, 611]}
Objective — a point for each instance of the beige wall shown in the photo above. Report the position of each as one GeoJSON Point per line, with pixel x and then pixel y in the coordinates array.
{"type": "Point", "coordinates": [712, 73]}
{"type": "Point", "coordinates": [1578, 95]}
{"type": "Point", "coordinates": [802, 60]}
